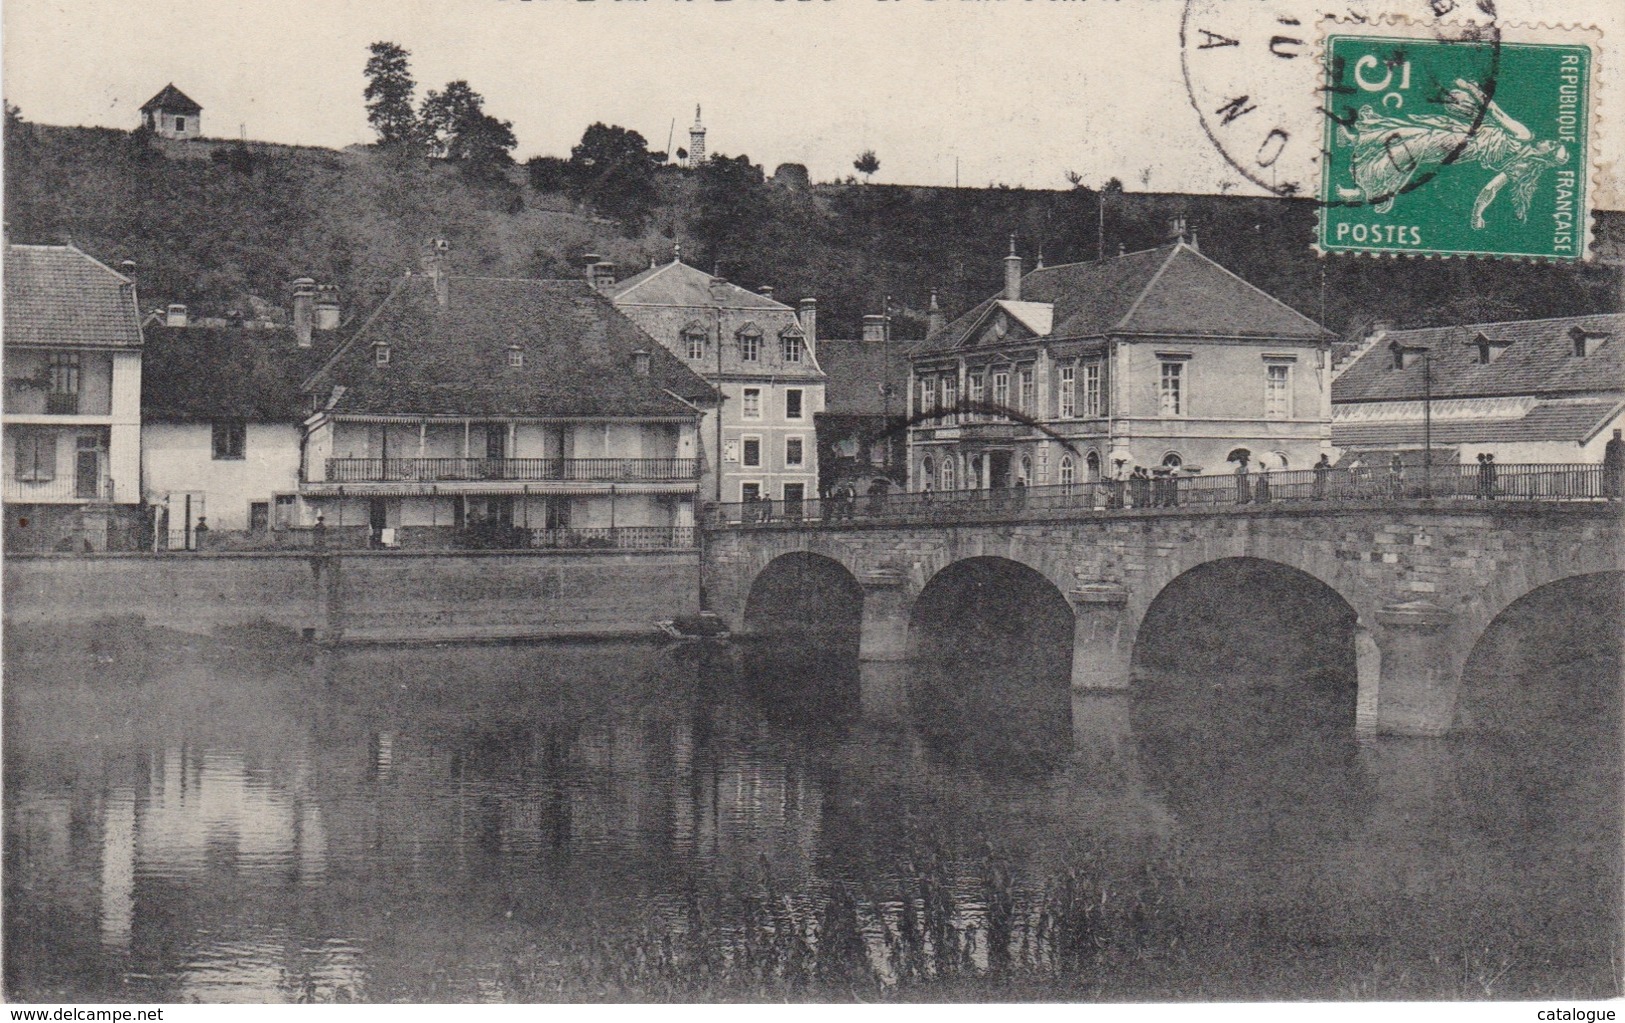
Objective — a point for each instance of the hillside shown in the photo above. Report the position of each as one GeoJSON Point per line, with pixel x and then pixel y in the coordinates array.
{"type": "Point", "coordinates": [216, 224]}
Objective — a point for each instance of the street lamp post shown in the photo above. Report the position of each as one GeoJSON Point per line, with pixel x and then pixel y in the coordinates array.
{"type": "Point", "coordinates": [1427, 424]}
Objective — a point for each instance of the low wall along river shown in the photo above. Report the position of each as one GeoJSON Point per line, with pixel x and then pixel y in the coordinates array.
{"type": "Point", "coordinates": [360, 597]}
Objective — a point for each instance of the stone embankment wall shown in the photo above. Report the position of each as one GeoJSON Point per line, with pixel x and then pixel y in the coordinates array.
{"type": "Point", "coordinates": [361, 597]}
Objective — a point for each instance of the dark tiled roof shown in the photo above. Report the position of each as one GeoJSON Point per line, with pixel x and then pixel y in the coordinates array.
{"type": "Point", "coordinates": [199, 374]}
{"type": "Point", "coordinates": [1538, 358]}
{"type": "Point", "coordinates": [57, 295]}
{"type": "Point", "coordinates": [453, 361]}
{"type": "Point", "coordinates": [1173, 289]}
{"type": "Point", "coordinates": [1573, 422]}
{"type": "Point", "coordinates": [172, 99]}
{"type": "Point", "coordinates": [855, 371]}
{"type": "Point", "coordinates": [677, 283]}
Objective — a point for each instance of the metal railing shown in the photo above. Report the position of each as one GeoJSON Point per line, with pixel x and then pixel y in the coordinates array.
{"type": "Point", "coordinates": [67, 489]}
{"type": "Point", "coordinates": [1456, 483]}
{"type": "Point", "coordinates": [519, 470]}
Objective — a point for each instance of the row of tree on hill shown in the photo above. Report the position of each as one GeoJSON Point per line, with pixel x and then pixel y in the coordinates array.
{"type": "Point", "coordinates": [450, 123]}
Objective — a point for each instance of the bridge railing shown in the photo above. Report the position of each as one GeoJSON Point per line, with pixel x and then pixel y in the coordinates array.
{"type": "Point", "coordinates": [1519, 482]}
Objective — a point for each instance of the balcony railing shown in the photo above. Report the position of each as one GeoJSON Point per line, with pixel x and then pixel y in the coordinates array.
{"type": "Point", "coordinates": [62, 490]}
{"type": "Point", "coordinates": [518, 470]}
{"type": "Point", "coordinates": [1455, 483]}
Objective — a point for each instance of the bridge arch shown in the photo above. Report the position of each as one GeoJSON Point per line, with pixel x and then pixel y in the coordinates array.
{"type": "Point", "coordinates": [991, 641]}
{"type": "Point", "coordinates": [801, 592]}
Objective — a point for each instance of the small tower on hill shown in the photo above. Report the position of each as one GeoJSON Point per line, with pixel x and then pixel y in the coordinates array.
{"type": "Point", "coordinates": [172, 114]}
{"type": "Point", "coordinates": [696, 140]}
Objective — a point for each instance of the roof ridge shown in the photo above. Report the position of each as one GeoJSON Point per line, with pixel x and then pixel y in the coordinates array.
{"type": "Point", "coordinates": [1503, 323]}
{"type": "Point", "coordinates": [1134, 307]}
{"type": "Point", "coordinates": [1100, 259]}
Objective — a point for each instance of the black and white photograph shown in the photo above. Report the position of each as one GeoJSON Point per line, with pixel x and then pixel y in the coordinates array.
{"type": "Point", "coordinates": [1094, 503]}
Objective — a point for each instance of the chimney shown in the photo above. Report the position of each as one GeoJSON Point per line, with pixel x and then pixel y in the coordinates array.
{"type": "Point", "coordinates": [640, 362]}
{"type": "Point", "coordinates": [601, 275]}
{"type": "Point", "coordinates": [1012, 274]}
{"type": "Point", "coordinates": [874, 327]}
{"type": "Point", "coordinates": [808, 315]}
{"type": "Point", "coordinates": [327, 307]}
{"type": "Point", "coordinates": [591, 261]}
{"type": "Point", "coordinates": [304, 302]}
{"type": "Point", "coordinates": [434, 265]}
{"type": "Point", "coordinates": [766, 290]}
{"type": "Point", "coordinates": [175, 315]}
{"type": "Point", "coordinates": [1379, 329]}
{"type": "Point", "coordinates": [1176, 229]}
{"type": "Point", "coordinates": [127, 268]}
{"type": "Point", "coordinates": [934, 320]}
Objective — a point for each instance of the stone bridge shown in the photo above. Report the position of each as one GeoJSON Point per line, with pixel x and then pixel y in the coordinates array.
{"type": "Point", "coordinates": [1424, 580]}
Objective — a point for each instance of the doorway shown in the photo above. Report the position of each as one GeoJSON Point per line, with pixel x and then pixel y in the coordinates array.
{"type": "Point", "coordinates": [998, 469]}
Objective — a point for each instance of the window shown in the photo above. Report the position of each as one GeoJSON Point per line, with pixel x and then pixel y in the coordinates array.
{"type": "Point", "coordinates": [1171, 393]}
{"type": "Point", "coordinates": [36, 456]}
{"type": "Point", "coordinates": [750, 491]}
{"type": "Point", "coordinates": [1026, 476]}
{"type": "Point", "coordinates": [752, 403]}
{"type": "Point", "coordinates": [1091, 467]}
{"type": "Point", "coordinates": [694, 342]}
{"type": "Point", "coordinates": [928, 470]}
{"type": "Point", "coordinates": [792, 403]}
{"type": "Point", "coordinates": [928, 395]}
{"type": "Point", "coordinates": [753, 452]}
{"type": "Point", "coordinates": [380, 353]}
{"type": "Point", "coordinates": [792, 348]}
{"type": "Point", "coordinates": [1068, 471]}
{"type": "Point", "coordinates": [1278, 391]}
{"type": "Point", "coordinates": [973, 390]}
{"type": "Point", "coordinates": [1066, 401]}
{"type": "Point", "coordinates": [947, 473]}
{"type": "Point", "coordinates": [286, 508]}
{"type": "Point", "coordinates": [180, 124]}
{"type": "Point", "coordinates": [1091, 389]}
{"type": "Point", "coordinates": [229, 439]}
{"type": "Point", "coordinates": [950, 392]}
{"type": "Point", "coordinates": [750, 347]}
{"type": "Point", "coordinates": [1001, 388]}
{"type": "Point", "coordinates": [1173, 460]}
{"type": "Point", "coordinates": [64, 372]}
{"type": "Point", "coordinates": [641, 362]}
{"type": "Point", "coordinates": [1027, 399]}
{"type": "Point", "coordinates": [792, 451]}
{"type": "Point", "coordinates": [516, 356]}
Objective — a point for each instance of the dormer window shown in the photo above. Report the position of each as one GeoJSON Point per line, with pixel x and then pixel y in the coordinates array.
{"type": "Point", "coordinates": [1405, 357]}
{"type": "Point", "coordinates": [640, 363]}
{"type": "Point", "coordinates": [516, 357]}
{"type": "Point", "coordinates": [750, 344]}
{"type": "Point", "coordinates": [380, 353]}
{"type": "Point", "coordinates": [1586, 342]}
{"type": "Point", "coordinates": [793, 346]}
{"type": "Point", "coordinates": [694, 341]}
{"type": "Point", "coordinates": [1489, 348]}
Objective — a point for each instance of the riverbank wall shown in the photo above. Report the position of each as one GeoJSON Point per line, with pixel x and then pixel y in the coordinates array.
{"type": "Point", "coordinates": [361, 597]}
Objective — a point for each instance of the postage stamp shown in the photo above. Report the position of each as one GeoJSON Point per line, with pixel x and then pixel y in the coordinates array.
{"type": "Point", "coordinates": [1480, 144]}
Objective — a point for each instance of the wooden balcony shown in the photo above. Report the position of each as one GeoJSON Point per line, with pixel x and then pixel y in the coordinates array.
{"type": "Point", "coordinates": [516, 470]}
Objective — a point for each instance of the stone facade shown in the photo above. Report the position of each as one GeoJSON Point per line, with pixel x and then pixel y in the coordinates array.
{"type": "Point", "coordinates": [1425, 582]}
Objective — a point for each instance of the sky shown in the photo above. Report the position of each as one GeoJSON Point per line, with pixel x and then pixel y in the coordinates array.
{"type": "Point", "coordinates": [981, 92]}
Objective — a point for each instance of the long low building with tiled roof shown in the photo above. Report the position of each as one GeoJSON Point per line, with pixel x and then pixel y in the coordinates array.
{"type": "Point", "coordinates": [519, 405]}
{"type": "Point", "coordinates": [1548, 390]}
{"type": "Point", "coordinates": [1161, 359]}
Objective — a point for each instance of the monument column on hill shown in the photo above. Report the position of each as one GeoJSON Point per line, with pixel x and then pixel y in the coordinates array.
{"type": "Point", "coordinates": [696, 140]}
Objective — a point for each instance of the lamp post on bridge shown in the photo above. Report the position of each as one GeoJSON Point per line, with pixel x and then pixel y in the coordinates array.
{"type": "Point", "coordinates": [1427, 424]}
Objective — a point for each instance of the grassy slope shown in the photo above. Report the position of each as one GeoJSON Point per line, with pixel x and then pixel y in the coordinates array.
{"type": "Point", "coordinates": [209, 234]}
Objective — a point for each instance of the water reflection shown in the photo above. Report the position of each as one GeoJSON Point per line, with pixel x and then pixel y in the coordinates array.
{"type": "Point", "coordinates": [623, 822]}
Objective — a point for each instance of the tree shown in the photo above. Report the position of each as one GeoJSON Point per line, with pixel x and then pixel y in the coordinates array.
{"type": "Point", "coordinates": [732, 206]}
{"type": "Point", "coordinates": [389, 95]}
{"type": "Point", "coordinates": [866, 164]}
{"type": "Point", "coordinates": [455, 125]}
{"type": "Point", "coordinates": [614, 171]}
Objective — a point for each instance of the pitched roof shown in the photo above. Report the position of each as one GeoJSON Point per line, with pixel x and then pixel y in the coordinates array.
{"type": "Point", "coordinates": [200, 374]}
{"type": "Point", "coordinates": [1173, 289]}
{"type": "Point", "coordinates": [57, 295]}
{"type": "Point", "coordinates": [677, 283]}
{"type": "Point", "coordinates": [855, 371]}
{"type": "Point", "coordinates": [173, 100]}
{"type": "Point", "coordinates": [453, 360]}
{"type": "Point", "coordinates": [1537, 357]}
{"type": "Point", "coordinates": [1568, 420]}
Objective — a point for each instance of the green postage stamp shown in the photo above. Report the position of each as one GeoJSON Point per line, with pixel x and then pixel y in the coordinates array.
{"type": "Point", "coordinates": [1468, 146]}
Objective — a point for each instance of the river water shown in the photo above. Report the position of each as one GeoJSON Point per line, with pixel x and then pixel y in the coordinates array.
{"type": "Point", "coordinates": [248, 819]}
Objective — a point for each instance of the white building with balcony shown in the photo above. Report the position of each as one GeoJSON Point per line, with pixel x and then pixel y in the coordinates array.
{"type": "Point", "coordinates": [72, 414]}
{"type": "Point", "coordinates": [498, 412]}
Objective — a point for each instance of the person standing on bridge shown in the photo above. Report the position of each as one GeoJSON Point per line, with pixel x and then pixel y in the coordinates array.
{"type": "Point", "coordinates": [1613, 467]}
{"type": "Point", "coordinates": [1243, 489]}
{"type": "Point", "coordinates": [1322, 468]}
{"type": "Point", "coordinates": [1396, 476]}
